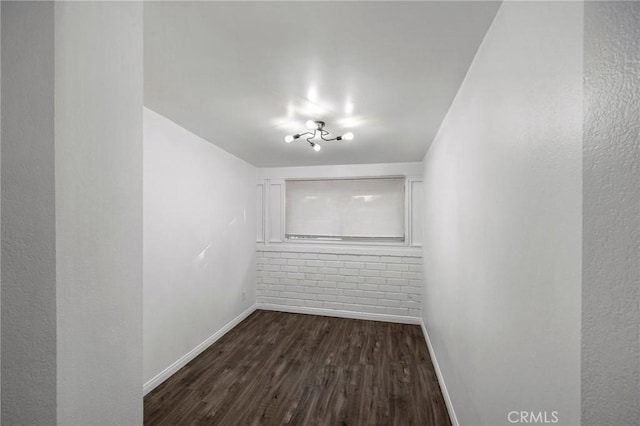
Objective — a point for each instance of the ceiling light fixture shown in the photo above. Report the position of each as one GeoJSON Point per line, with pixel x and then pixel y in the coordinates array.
{"type": "Point", "coordinates": [316, 127]}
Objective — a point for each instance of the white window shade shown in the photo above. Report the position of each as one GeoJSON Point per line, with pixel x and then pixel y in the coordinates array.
{"type": "Point", "coordinates": [345, 209]}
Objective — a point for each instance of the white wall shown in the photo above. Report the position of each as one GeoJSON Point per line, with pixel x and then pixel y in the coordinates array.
{"type": "Point", "coordinates": [0, 211]}
{"type": "Point", "coordinates": [72, 213]}
{"type": "Point", "coordinates": [356, 282]}
{"type": "Point", "coordinates": [272, 184]}
{"type": "Point", "coordinates": [28, 218]}
{"type": "Point", "coordinates": [98, 190]}
{"type": "Point", "coordinates": [502, 237]}
{"type": "Point", "coordinates": [341, 171]}
{"type": "Point", "coordinates": [199, 242]}
{"type": "Point", "coordinates": [350, 280]}
{"type": "Point", "coordinates": [611, 227]}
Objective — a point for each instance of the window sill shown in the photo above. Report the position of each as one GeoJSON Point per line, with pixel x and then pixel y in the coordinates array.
{"type": "Point", "coordinates": [377, 249]}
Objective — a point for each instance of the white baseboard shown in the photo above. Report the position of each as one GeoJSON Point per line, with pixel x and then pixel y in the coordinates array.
{"type": "Point", "coordinates": [340, 314]}
{"type": "Point", "coordinates": [173, 368]}
{"type": "Point", "coordinates": [443, 387]}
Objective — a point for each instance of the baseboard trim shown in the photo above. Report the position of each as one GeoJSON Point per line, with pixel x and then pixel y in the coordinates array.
{"type": "Point", "coordinates": [340, 314]}
{"type": "Point", "coordinates": [173, 368]}
{"type": "Point", "coordinates": [443, 386]}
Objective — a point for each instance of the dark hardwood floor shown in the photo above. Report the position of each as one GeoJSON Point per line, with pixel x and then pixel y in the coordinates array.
{"type": "Point", "coordinates": [277, 368]}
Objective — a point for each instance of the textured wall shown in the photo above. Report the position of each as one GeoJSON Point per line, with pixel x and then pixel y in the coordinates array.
{"type": "Point", "coordinates": [611, 228]}
{"type": "Point", "coordinates": [28, 220]}
{"type": "Point", "coordinates": [502, 239]}
{"type": "Point", "coordinates": [363, 283]}
{"type": "Point", "coordinates": [98, 154]}
{"type": "Point", "coordinates": [71, 218]}
{"type": "Point", "coordinates": [0, 211]}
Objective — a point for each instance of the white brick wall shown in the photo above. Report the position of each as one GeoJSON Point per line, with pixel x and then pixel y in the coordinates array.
{"type": "Point", "coordinates": [362, 283]}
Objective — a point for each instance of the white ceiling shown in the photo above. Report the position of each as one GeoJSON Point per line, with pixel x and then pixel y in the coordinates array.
{"type": "Point", "coordinates": [242, 75]}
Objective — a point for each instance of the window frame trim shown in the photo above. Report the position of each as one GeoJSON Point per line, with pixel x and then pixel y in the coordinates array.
{"type": "Point", "coordinates": [367, 241]}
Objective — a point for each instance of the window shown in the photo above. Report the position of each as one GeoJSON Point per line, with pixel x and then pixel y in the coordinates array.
{"type": "Point", "coordinates": [345, 209]}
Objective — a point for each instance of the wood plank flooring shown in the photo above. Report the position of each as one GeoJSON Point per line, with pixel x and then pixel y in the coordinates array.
{"type": "Point", "coordinates": [278, 368]}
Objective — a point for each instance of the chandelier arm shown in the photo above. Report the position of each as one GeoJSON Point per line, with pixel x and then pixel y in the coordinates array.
{"type": "Point", "coordinates": [323, 133]}
{"type": "Point", "coordinates": [313, 133]}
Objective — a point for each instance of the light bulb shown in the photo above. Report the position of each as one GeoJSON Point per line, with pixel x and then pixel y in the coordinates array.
{"type": "Point", "coordinates": [311, 125]}
{"type": "Point", "coordinates": [288, 139]}
{"type": "Point", "coordinates": [347, 136]}
{"type": "Point", "coordinates": [317, 147]}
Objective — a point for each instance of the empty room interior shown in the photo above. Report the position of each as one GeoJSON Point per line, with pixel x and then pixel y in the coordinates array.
{"type": "Point", "coordinates": [320, 213]}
